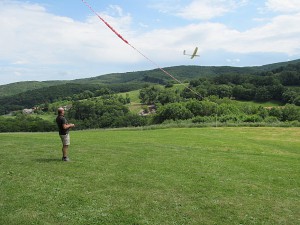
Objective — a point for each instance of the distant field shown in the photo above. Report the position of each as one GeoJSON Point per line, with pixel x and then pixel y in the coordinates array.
{"type": "Point", "coordinates": [135, 106]}
{"type": "Point", "coordinates": [167, 176]}
{"type": "Point", "coordinates": [133, 95]}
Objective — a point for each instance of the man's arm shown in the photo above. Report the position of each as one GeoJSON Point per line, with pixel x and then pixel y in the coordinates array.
{"type": "Point", "coordinates": [67, 126]}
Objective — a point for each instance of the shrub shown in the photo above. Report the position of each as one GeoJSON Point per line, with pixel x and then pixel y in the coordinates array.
{"type": "Point", "coordinates": [271, 119]}
{"type": "Point", "coordinates": [203, 119]}
{"type": "Point", "coordinates": [252, 118]}
{"type": "Point", "coordinates": [229, 118]}
{"type": "Point", "coordinates": [172, 111]}
{"type": "Point", "coordinates": [201, 108]}
{"type": "Point", "coordinates": [290, 112]}
{"type": "Point", "coordinates": [130, 120]}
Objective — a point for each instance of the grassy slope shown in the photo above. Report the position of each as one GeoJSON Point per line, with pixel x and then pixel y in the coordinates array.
{"type": "Point", "coordinates": [135, 105]}
{"type": "Point", "coordinates": [168, 176]}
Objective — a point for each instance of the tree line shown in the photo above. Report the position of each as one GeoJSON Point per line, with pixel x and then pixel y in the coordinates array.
{"type": "Point", "coordinates": [100, 107]}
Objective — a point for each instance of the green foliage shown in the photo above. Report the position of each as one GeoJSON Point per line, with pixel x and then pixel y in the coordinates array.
{"type": "Point", "coordinates": [172, 111]}
{"type": "Point", "coordinates": [149, 95]}
{"type": "Point", "coordinates": [221, 91]}
{"type": "Point", "coordinates": [130, 120]}
{"type": "Point", "coordinates": [93, 104]}
{"type": "Point", "coordinates": [35, 97]}
{"type": "Point", "coordinates": [271, 119]}
{"type": "Point", "coordinates": [201, 108]}
{"type": "Point", "coordinates": [19, 87]}
{"type": "Point", "coordinates": [252, 118]}
{"type": "Point", "coordinates": [230, 118]}
{"type": "Point", "coordinates": [289, 96]}
{"type": "Point", "coordinates": [244, 92]}
{"type": "Point", "coordinates": [248, 83]}
{"type": "Point", "coordinates": [168, 96]}
{"type": "Point", "coordinates": [25, 123]}
{"type": "Point", "coordinates": [290, 112]}
{"type": "Point", "coordinates": [105, 111]}
{"type": "Point", "coordinates": [203, 119]}
{"type": "Point", "coordinates": [262, 94]}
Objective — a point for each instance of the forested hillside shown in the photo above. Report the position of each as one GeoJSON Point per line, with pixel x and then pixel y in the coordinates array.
{"type": "Point", "coordinates": [221, 96]}
{"type": "Point", "coordinates": [19, 87]}
{"type": "Point", "coordinates": [153, 76]}
{"type": "Point", "coordinates": [29, 94]}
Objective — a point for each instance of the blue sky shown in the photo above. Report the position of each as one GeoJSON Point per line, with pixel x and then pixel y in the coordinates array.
{"type": "Point", "coordinates": [63, 40]}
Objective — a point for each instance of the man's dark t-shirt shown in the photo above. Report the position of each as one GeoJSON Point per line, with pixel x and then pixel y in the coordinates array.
{"type": "Point", "coordinates": [61, 120]}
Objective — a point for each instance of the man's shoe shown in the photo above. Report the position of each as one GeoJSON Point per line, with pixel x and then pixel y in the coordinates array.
{"type": "Point", "coordinates": [65, 159]}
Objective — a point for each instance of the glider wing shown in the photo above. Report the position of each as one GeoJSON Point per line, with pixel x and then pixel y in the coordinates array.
{"type": "Point", "coordinates": [194, 53]}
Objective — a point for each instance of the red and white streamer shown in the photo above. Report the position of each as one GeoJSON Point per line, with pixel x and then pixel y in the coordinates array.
{"type": "Point", "coordinates": [124, 40]}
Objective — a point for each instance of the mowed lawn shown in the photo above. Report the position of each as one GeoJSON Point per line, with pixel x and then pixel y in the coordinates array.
{"type": "Point", "coordinates": [166, 176]}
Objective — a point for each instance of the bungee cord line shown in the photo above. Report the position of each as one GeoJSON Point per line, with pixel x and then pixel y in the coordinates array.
{"type": "Point", "coordinates": [124, 40]}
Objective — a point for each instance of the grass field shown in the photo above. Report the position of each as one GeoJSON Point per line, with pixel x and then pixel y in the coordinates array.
{"type": "Point", "coordinates": [167, 176]}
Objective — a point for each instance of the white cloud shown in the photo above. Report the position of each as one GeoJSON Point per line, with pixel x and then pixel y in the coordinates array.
{"type": "Point", "coordinates": [30, 36]}
{"type": "Point", "coordinates": [115, 10]}
{"type": "Point", "coordinates": [166, 6]}
{"type": "Point", "coordinates": [233, 60]}
{"type": "Point", "coordinates": [286, 6]}
{"type": "Point", "coordinates": [281, 35]}
{"type": "Point", "coordinates": [208, 9]}
{"type": "Point", "coordinates": [200, 9]}
{"type": "Point", "coordinates": [35, 42]}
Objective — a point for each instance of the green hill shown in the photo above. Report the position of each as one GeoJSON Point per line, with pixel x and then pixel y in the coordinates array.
{"type": "Point", "coordinates": [140, 77]}
{"type": "Point", "coordinates": [19, 87]}
{"type": "Point", "coordinates": [180, 72]}
{"type": "Point", "coordinates": [21, 95]}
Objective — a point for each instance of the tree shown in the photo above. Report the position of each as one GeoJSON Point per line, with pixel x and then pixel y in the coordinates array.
{"type": "Point", "coordinates": [227, 109]}
{"type": "Point", "coordinates": [289, 96]}
{"type": "Point", "coordinates": [130, 120]}
{"type": "Point", "coordinates": [290, 113]}
{"type": "Point", "coordinates": [149, 95]}
{"type": "Point", "coordinates": [201, 108]}
{"type": "Point", "coordinates": [103, 91]}
{"type": "Point", "coordinates": [82, 110]}
{"type": "Point", "coordinates": [262, 94]}
{"type": "Point", "coordinates": [100, 112]}
{"type": "Point", "coordinates": [289, 78]}
{"type": "Point", "coordinates": [168, 96]}
{"type": "Point", "coordinates": [276, 112]}
{"type": "Point", "coordinates": [297, 101]}
{"type": "Point", "coordinates": [172, 111]}
{"type": "Point", "coordinates": [224, 91]}
{"type": "Point", "coordinates": [276, 91]}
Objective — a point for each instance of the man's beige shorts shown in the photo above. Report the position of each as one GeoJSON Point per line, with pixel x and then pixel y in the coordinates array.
{"type": "Point", "coordinates": [65, 139]}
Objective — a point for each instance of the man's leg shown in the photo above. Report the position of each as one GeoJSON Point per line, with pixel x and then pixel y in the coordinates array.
{"type": "Point", "coordinates": [65, 151]}
{"type": "Point", "coordinates": [66, 142]}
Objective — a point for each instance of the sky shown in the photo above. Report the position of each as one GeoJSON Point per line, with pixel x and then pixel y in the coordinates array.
{"type": "Point", "coordinates": [43, 40]}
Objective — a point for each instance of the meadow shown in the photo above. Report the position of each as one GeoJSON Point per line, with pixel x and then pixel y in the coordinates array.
{"type": "Point", "coordinates": [164, 176]}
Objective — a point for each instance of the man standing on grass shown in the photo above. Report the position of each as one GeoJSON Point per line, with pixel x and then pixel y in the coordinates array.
{"type": "Point", "coordinates": [64, 127]}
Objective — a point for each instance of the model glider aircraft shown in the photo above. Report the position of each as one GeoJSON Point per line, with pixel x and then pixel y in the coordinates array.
{"type": "Point", "coordinates": [192, 55]}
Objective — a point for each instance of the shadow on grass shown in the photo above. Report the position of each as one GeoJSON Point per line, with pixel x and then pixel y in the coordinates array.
{"type": "Point", "coordinates": [48, 160]}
